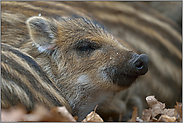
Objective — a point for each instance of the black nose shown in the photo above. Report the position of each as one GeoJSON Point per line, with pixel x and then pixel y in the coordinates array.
{"type": "Point", "coordinates": [140, 64]}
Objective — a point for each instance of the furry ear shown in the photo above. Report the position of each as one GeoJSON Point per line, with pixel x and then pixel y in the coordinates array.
{"type": "Point", "coordinates": [43, 32]}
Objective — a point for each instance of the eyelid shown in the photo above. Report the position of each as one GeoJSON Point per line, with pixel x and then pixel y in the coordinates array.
{"type": "Point", "coordinates": [86, 42]}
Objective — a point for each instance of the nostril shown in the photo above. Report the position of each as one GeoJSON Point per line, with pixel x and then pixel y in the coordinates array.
{"type": "Point", "coordinates": [141, 64]}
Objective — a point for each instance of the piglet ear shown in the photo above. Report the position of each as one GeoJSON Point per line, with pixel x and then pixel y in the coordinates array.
{"type": "Point", "coordinates": [43, 32]}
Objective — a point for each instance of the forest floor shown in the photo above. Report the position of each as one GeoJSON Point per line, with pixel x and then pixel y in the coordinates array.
{"type": "Point", "coordinates": [156, 113]}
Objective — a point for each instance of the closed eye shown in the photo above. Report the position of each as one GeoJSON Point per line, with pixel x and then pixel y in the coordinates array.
{"type": "Point", "coordinates": [86, 46]}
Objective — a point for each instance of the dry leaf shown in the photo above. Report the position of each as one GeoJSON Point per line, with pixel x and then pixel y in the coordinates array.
{"type": "Point", "coordinates": [57, 114]}
{"type": "Point", "coordinates": [169, 112]}
{"type": "Point", "coordinates": [139, 120]}
{"type": "Point", "coordinates": [93, 117]}
{"type": "Point", "coordinates": [146, 115]}
{"type": "Point", "coordinates": [156, 106]}
{"type": "Point", "coordinates": [134, 115]}
{"type": "Point", "coordinates": [157, 109]}
{"type": "Point", "coordinates": [13, 114]}
{"type": "Point", "coordinates": [64, 114]}
{"type": "Point", "coordinates": [165, 118]}
{"type": "Point", "coordinates": [178, 112]}
{"type": "Point", "coordinates": [38, 114]}
{"type": "Point", "coordinates": [75, 117]}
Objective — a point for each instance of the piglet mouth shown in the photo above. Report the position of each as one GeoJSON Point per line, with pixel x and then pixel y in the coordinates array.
{"type": "Point", "coordinates": [119, 77]}
{"type": "Point", "coordinates": [124, 80]}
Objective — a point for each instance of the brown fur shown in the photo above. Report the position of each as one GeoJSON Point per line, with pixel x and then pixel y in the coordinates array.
{"type": "Point", "coordinates": [24, 82]}
{"type": "Point", "coordinates": [82, 58]}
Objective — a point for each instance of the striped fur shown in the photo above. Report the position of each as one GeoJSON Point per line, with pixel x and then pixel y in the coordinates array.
{"type": "Point", "coordinates": [136, 26]}
{"type": "Point", "coordinates": [24, 82]}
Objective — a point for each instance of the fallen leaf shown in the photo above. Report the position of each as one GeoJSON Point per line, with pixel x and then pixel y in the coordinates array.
{"type": "Point", "coordinates": [39, 114]}
{"type": "Point", "coordinates": [165, 118]}
{"type": "Point", "coordinates": [146, 115]}
{"type": "Point", "coordinates": [57, 114]}
{"type": "Point", "coordinates": [169, 112]}
{"type": "Point", "coordinates": [134, 115]}
{"type": "Point", "coordinates": [13, 114]}
{"type": "Point", "coordinates": [178, 112]}
{"type": "Point", "coordinates": [139, 120]}
{"type": "Point", "coordinates": [158, 113]}
{"type": "Point", "coordinates": [63, 114]}
{"type": "Point", "coordinates": [156, 106]}
{"type": "Point", "coordinates": [93, 117]}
